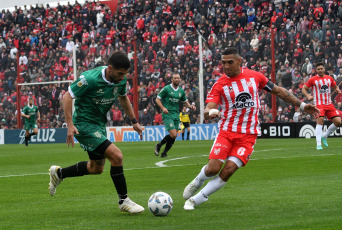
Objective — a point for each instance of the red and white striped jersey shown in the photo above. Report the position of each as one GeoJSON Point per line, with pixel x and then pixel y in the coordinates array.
{"type": "Point", "coordinates": [321, 89]}
{"type": "Point", "coordinates": [239, 100]}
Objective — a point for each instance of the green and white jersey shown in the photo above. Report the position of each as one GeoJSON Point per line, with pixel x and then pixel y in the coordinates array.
{"type": "Point", "coordinates": [171, 98]}
{"type": "Point", "coordinates": [32, 112]}
{"type": "Point", "coordinates": [94, 96]}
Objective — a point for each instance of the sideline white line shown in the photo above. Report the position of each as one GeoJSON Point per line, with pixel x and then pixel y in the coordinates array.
{"type": "Point", "coordinates": [161, 164]}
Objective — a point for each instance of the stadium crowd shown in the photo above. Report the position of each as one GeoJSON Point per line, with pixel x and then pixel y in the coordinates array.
{"type": "Point", "coordinates": [166, 33]}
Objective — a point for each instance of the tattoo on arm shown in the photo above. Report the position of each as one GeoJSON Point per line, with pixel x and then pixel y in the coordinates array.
{"type": "Point", "coordinates": [286, 95]}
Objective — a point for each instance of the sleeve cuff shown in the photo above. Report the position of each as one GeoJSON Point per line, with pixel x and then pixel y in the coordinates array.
{"type": "Point", "coordinates": [71, 93]}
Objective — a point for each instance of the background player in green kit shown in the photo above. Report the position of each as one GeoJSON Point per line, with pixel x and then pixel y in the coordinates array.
{"type": "Point", "coordinates": [94, 93]}
{"type": "Point", "coordinates": [168, 100]}
{"type": "Point", "coordinates": [29, 112]}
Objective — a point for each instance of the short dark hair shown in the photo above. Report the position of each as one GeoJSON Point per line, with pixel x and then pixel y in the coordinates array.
{"type": "Point", "coordinates": [230, 50]}
{"type": "Point", "coordinates": [319, 64]}
{"type": "Point", "coordinates": [119, 60]}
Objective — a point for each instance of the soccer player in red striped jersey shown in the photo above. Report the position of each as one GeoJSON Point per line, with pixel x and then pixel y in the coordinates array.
{"type": "Point", "coordinates": [321, 85]}
{"type": "Point", "coordinates": [236, 91]}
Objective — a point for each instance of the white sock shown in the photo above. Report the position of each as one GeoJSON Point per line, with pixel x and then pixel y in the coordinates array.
{"type": "Point", "coordinates": [201, 177]}
{"type": "Point", "coordinates": [215, 184]}
{"type": "Point", "coordinates": [330, 130]}
{"type": "Point", "coordinates": [319, 134]}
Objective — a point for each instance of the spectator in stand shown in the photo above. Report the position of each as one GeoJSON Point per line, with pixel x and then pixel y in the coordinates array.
{"type": "Point", "coordinates": [117, 116]}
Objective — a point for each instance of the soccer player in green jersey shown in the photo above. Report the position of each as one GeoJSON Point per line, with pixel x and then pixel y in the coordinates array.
{"type": "Point", "coordinates": [94, 93]}
{"type": "Point", "coordinates": [168, 100]}
{"type": "Point", "coordinates": [29, 112]}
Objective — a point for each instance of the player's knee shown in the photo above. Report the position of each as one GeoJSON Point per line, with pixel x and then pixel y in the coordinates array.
{"type": "Point", "coordinates": [212, 170]}
{"type": "Point", "coordinates": [96, 171]}
{"type": "Point", "coordinates": [337, 123]}
{"type": "Point", "coordinates": [173, 135]}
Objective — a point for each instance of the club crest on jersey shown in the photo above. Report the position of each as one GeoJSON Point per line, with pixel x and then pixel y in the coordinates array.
{"type": "Point", "coordinates": [115, 90]}
{"type": "Point", "coordinates": [230, 88]}
{"type": "Point", "coordinates": [82, 81]}
{"type": "Point", "coordinates": [243, 100]}
{"type": "Point", "coordinates": [324, 89]}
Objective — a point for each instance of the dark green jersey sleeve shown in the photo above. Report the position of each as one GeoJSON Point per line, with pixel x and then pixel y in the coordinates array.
{"type": "Point", "coordinates": [162, 93]}
{"type": "Point", "coordinates": [81, 86]}
{"type": "Point", "coordinates": [123, 91]}
{"type": "Point", "coordinates": [183, 97]}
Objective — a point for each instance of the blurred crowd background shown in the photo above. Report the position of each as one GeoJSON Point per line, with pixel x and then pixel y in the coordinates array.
{"type": "Point", "coordinates": [166, 33]}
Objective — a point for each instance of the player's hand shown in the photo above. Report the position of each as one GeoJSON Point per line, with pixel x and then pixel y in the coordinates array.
{"type": "Point", "coordinates": [138, 129]}
{"type": "Point", "coordinates": [28, 116]}
{"type": "Point", "coordinates": [311, 109]}
{"type": "Point", "coordinates": [338, 91]}
{"type": "Point", "coordinates": [193, 107]}
{"type": "Point", "coordinates": [38, 120]}
{"type": "Point", "coordinates": [310, 98]}
{"type": "Point", "coordinates": [165, 110]}
{"type": "Point", "coordinates": [70, 135]}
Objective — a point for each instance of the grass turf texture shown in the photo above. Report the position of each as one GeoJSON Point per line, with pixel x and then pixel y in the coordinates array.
{"type": "Point", "coordinates": [288, 184]}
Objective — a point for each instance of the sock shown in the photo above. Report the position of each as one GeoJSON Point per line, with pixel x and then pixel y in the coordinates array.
{"type": "Point", "coordinates": [188, 135]}
{"type": "Point", "coordinates": [212, 186]}
{"type": "Point", "coordinates": [32, 134]}
{"type": "Point", "coordinates": [201, 177]}
{"type": "Point", "coordinates": [319, 134]}
{"type": "Point", "coordinates": [165, 140]}
{"type": "Point", "coordinates": [183, 136]}
{"type": "Point", "coordinates": [119, 180]}
{"type": "Point", "coordinates": [169, 145]}
{"type": "Point", "coordinates": [330, 130]}
{"type": "Point", "coordinates": [79, 169]}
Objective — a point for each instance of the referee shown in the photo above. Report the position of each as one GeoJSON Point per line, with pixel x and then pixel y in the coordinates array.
{"type": "Point", "coordinates": [184, 118]}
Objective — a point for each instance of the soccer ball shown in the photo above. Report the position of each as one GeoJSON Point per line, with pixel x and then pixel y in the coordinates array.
{"type": "Point", "coordinates": [160, 204]}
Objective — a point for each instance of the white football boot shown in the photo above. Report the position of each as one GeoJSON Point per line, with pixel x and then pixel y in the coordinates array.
{"type": "Point", "coordinates": [130, 206]}
{"type": "Point", "coordinates": [189, 204]}
{"type": "Point", "coordinates": [191, 188]}
{"type": "Point", "coordinates": [54, 179]}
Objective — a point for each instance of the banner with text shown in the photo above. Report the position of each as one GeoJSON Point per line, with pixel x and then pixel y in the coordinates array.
{"type": "Point", "coordinates": [17, 136]}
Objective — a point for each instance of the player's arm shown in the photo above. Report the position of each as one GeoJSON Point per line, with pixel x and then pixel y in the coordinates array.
{"type": "Point", "coordinates": [187, 104]}
{"type": "Point", "coordinates": [160, 104]}
{"type": "Point", "coordinates": [38, 119]}
{"type": "Point", "coordinates": [211, 106]}
{"type": "Point", "coordinates": [306, 93]}
{"type": "Point", "coordinates": [126, 105]}
{"type": "Point", "coordinates": [67, 106]}
{"type": "Point", "coordinates": [290, 98]}
{"type": "Point", "coordinates": [336, 88]}
{"type": "Point", "coordinates": [23, 113]}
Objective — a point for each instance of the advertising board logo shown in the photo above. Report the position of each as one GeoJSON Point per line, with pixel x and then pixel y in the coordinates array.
{"type": "Point", "coordinates": [243, 100]}
{"type": "Point", "coordinates": [43, 136]}
{"type": "Point", "coordinates": [120, 134]}
{"type": "Point", "coordinates": [307, 131]}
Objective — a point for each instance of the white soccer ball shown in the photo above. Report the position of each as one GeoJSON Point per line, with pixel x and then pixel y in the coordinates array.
{"type": "Point", "coordinates": [160, 204]}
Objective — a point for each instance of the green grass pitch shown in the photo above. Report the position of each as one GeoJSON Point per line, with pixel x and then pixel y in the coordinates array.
{"type": "Point", "coordinates": [287, 184]}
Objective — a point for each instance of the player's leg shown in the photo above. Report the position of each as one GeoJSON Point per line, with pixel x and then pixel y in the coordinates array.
{"type": "Point", "coordinates": [27, 133]}
{"type": "Point", "coordinates": [334, 116]}
{"type": "Point", "coordinates": [114, 155]}
{"type": "Point", "coordinates": [318, 132]}
{"type": "Point", "coordinates": [242, 148]}
{"type": "Point", "coordinates": [219, 152]}
{"type": "Point", "coordinates": [170, 141]}
{"type": "Point", "coordinates": [168, 122]}
{"type": "Point", "coordinates": [188, 134]}
{"type": "Point", "coordinates": [183, 131]}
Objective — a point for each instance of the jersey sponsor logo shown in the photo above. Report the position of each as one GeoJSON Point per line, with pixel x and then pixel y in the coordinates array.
{"type": "Point", "coordinates": [324, 89]}
{"type": "Point", "coordinates": [100, 91]}
{"type": "Point", "coordinates": [243, 100]}
{"type": "Point", "coordinates": [241, 151]}
{"type": "Point", "coordinates": [217, 151]}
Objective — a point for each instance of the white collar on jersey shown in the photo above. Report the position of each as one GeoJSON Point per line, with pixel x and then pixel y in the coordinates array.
{"type": "Point", "coordinates": [28, 105]}
{"type": "Point", "coordinates": [104, 77]}
{"type": "Point", "coordinates": [174, 88]}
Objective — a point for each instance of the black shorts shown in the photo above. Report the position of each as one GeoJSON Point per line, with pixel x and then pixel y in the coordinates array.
{"type": "Point", "coordinates": [98, 153]}
{"type": "Point", "coordinates": [186, 124]}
